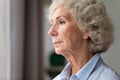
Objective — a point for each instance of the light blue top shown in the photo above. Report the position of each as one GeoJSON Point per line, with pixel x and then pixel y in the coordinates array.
{"type": "Point", "coordinates": [95, 69]}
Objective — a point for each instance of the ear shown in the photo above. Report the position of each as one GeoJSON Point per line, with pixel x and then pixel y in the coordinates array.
{"type": "Point", "coordinates": [85, 35]}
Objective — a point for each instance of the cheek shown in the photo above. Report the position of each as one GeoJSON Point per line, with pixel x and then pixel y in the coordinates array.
{"type": "Point", "coordinates": [68, 43]}
{"type": "Point", "coordinates": [73, 40]}
{"type": "Point", "coordinates": [66, 38]}
{"type": "Point", "coordinates": [64, 46]}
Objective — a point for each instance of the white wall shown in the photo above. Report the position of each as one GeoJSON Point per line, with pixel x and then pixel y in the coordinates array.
{"type": "Point", "coordinates": [112, 56]}
{"type": "Point", "coordinates": [47, 40]}
{"type": "Point", "coordinates": [48, 47]}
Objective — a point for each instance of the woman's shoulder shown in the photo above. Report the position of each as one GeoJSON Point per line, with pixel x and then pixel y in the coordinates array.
{"type": "Point", "coordinates": [107, 73]}
{"type": "Point", "coordinates": [104, 72]}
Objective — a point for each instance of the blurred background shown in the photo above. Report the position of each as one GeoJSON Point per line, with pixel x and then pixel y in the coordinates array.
{"type": "Point", "coordinates": [26, 51]}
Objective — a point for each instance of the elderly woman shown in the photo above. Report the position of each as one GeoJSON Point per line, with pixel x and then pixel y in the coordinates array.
{"type": "Point", "coordinates": [81, 30]}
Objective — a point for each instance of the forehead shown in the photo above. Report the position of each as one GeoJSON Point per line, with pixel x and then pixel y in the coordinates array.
{"type": "Point", "coordinates": [60, 12]}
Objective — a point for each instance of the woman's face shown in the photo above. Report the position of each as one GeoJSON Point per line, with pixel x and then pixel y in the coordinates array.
{"type": "Point", "coordinates": [65, 33]}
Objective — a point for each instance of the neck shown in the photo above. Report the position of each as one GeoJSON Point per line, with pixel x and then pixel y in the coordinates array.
{"type": "Point", "coordinates": [78, 59]}
{"type": "Point", "coordinates": [78, 62]}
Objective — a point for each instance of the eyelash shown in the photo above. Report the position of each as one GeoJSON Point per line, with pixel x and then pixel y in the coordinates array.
{"type": "Point", "coordinates": [61, 22]}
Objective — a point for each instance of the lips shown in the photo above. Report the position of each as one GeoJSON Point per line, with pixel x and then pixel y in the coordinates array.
{"type": "Point", "coordinates": [56, 43]}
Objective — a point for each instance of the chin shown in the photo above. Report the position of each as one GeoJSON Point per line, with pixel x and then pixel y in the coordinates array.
{"type": "Point", "coordinates": [59, 51]}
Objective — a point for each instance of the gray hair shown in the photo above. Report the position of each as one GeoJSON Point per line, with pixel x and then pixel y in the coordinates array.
{"type": "Point", "coordinates": [92, 17]}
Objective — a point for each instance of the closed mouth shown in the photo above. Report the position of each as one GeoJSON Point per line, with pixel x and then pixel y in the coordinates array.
{"type": "Point", "coordinates": [57, 42]}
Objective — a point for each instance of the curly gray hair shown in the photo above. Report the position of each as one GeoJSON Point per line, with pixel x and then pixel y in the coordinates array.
{"type": "Point", "coordinates": [91, 14]}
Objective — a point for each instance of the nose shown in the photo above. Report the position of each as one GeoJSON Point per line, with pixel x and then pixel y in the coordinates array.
{"type": "Point", "coordinates": [53, 31]}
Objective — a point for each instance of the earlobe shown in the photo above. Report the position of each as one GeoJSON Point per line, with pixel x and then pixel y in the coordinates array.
{"type": "Point", "coordinates": [85, 35]}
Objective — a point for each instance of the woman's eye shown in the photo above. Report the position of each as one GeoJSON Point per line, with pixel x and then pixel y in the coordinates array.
{"type": "Point", "coordinates": [62, 22]}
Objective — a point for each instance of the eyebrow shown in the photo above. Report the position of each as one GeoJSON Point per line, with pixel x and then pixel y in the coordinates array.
{"type": "Point", "coordinates": [62, 16]}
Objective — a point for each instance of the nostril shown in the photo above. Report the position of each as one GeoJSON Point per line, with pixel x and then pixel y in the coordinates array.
{"type": "Point", "coordinates": [53, 33]}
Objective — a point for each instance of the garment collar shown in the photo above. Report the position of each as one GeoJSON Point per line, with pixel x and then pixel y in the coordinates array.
{"type": "Point", "coordinates": [87, 69]}
{"type": "Point", "coordinates": [84, 72]}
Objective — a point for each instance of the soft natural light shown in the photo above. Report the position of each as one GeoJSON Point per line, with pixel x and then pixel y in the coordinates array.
{"type": "Point", "coordinates": [4, 40]}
